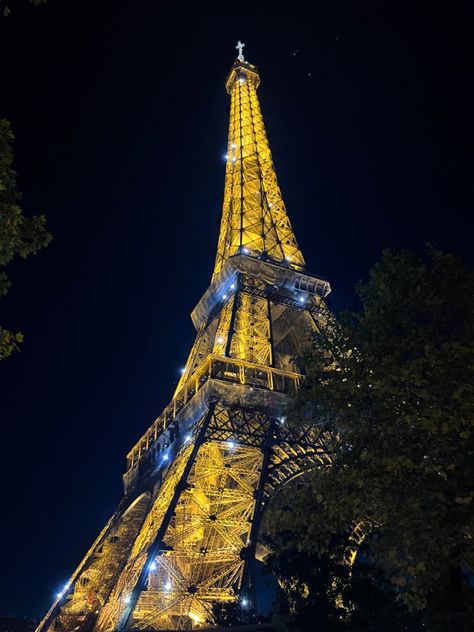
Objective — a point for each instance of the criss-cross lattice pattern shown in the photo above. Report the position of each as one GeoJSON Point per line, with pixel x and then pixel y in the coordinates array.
{"type": "Point", "coordinates": [117, 602]}
{"type": "Point", "coordinates": [254, 218]}
{"type": "Point", "coordinates": [202, 561]}
{"type": "Point", "coordinates": [184, 535]}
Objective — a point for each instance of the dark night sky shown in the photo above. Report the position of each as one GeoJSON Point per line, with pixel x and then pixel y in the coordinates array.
{"type": "Point", "coordinates": [120, 115]}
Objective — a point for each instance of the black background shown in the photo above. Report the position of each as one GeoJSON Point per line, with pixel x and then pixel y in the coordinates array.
{"type": "Point", "coordinates": [120, 115]}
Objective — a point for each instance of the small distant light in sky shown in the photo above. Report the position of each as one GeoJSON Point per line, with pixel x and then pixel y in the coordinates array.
{"type": "Point", "coordinates": [309, 74]}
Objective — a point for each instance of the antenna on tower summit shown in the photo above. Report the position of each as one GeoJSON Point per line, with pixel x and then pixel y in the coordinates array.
{"type": "Point", "coordinates": [240, 46]}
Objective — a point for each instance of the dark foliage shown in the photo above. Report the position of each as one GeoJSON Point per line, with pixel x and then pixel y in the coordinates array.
{"type": "Point", "coordinates": [391, 386]}
{"type": "Point", "coordinates": [19, 235]}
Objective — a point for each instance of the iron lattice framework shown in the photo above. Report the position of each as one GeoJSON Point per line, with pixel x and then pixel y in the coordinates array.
{"type": "Point", "coordinates": [185, 533]}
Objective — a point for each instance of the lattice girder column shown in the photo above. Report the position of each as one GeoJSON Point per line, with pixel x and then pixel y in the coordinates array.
{"type": "Point", "coordinates": [197, 560]}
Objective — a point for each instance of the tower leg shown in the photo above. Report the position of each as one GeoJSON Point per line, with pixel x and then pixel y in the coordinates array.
{"type": "Point", "coordinates": [90, 585]}
{"type": "Point", "coordinates": [158, 543]}
{"type": "Point", "coordinates": [192, 550]}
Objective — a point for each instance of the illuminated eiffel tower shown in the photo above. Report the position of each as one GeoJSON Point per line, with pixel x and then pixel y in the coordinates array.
{"type": "Point", "coordinates": [185, 534]}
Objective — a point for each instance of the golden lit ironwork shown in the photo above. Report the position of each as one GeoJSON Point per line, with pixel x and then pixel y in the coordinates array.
{"type": "Point", "coordinates": [185, 533]}
{"type": "Point", "coordinates": [254, 217]}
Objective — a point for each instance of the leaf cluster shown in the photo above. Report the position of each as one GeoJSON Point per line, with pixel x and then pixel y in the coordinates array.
{"type": "Point", "coordinates": [20, 235]}
{"type": "Point", "coordinates": [5, 9]}
{"type": "Point", "coordinates": [393, 385]}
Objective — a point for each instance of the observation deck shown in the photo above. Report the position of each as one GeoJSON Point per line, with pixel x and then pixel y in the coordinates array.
{"type": "Point", "coordinates": [265, 387]}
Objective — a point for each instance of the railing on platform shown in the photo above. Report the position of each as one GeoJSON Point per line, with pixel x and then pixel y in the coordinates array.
{"type": "Point", "coordinates": [217, 368]}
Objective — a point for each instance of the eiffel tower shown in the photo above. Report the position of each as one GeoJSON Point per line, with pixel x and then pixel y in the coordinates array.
{"type": "Point", "coordinates": [185, 534]}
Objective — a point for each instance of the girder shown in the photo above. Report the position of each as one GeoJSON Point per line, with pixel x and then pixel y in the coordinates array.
{"type": "Point", "coordinates": [185, 533]}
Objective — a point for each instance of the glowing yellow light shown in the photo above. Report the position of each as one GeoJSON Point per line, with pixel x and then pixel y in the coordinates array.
{"type": "Point", "coordinates": [196, 618]}
{"type": "Point", "coordinates": [235, 348]}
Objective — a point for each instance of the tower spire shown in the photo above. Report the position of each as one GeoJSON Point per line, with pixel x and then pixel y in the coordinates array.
{"type": "Point", "coordinates": [254, 218]}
